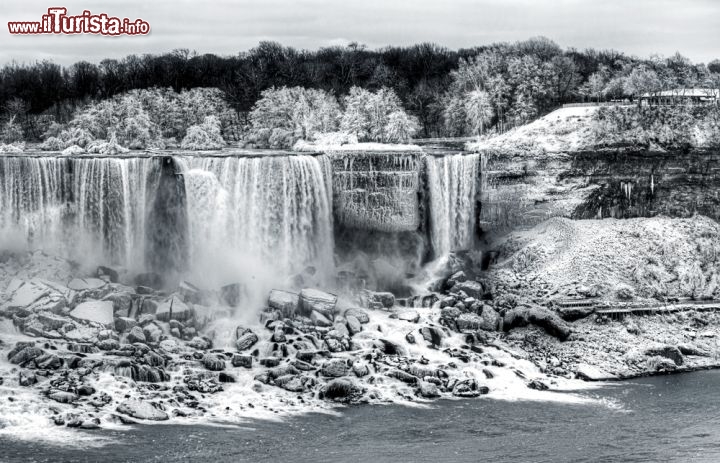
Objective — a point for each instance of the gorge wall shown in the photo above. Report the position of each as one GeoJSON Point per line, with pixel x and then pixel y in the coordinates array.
{"type": "Point", "coordinates": [520, 192]}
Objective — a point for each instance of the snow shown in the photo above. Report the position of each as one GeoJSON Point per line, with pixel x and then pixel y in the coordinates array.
{"type": "Point", "coordinates": [306, 146]}
{"type": "Point", "coordinates": [94, 311]}
{"type": "Point", "coordinates": [656, 257]}
{"type": "Point", "coordinates": [565, 129]}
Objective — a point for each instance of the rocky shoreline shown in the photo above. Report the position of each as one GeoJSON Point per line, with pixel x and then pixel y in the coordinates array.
{"type": "Point", "coordinates": [93, 351]}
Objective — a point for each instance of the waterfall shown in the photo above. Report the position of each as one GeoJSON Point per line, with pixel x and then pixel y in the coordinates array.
{"type": "Point", "coordinates": [89, 209]}
{"type": "Point", "coordinates": [453, 184]}
{"type": "Point", "coordinates": [270, 215]}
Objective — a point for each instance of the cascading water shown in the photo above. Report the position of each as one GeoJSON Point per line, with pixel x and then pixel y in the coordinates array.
{"type": "Point", "coordinates": [262, 218]}
{"type": "Point", "coordinates": [90, 209]}
{"type": "Point", "coordinates": [453, 184]}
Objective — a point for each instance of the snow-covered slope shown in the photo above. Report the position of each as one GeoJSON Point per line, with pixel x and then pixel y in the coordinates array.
{"type": "Point", "coordinates": [566, 129]}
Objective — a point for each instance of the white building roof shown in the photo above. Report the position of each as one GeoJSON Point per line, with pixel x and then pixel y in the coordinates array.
{"type": "Point", "coordinates": [712, 93]}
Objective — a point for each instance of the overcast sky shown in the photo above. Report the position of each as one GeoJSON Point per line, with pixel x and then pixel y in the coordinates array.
{"type": "Point", "coordinates": [637, 27]}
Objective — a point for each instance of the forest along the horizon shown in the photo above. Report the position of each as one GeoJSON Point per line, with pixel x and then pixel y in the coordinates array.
{"type": "Point", "coordinates": [426, 90]}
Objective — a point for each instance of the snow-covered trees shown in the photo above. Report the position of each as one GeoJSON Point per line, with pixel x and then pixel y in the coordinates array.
{"type": "Point", "coordinates": [377, 116]}
{"type": "Point", "coordinates": [642, 80]}
{"type": "Point", "coordinates": [11, 132]}
{"type": "Point", "coordinates": [142, 119]}
{"type": "Point", "coordinates": [284, 115]}
{"type": "Point", "coordinates": [205, 136]}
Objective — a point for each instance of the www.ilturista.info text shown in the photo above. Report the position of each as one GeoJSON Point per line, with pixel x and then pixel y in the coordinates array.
{"type": "Point", "coordinates": [57, 21]}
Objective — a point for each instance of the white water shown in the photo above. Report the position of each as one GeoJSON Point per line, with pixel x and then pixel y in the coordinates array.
{"type": "Point", "coordinates": [453, 184]}
{"type": "Point", "coordinates": [84, 209]}
{"type": "Point", "coordinates": [263, 217]}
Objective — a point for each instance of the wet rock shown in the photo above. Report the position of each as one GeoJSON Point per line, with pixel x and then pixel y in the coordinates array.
{"type": "Point", "coordinates": [122, 303]}
{"type": "Point", "coordinates": [226, 377]}
{"type": "Point", "coordinates": [286, 302]}
{"type": "Point", "coordinates": [689, 349]}
{"type": "Point", "coordinates": [409, 316]}
{"type": "Point", "coordinates": [87, 284]}
{"type": "Point", "coordinates": [302, 366]}
{"type": "Point", "coordinates": [658, 363]}
{"type": "Point", "coordinates": [455, 278]}
{"type": "Point", "coordinates": [334, 368]}
{"type": "Point", "coordinates": [539, 316]}
{"type": "Point", "coordinates": [669, 352]}
{"type": "Point", "coordinates": [353, 325]}
{"type": "Point", "coordinates": [360, 368]}
{"type": "Point", "coordinates": [319, 319]}
{"type": "Point", "coordinates": [490, 319]}
{"type": "Point", "coordinates": [48, 362]}
{"type": "Point", "coordinates": [51, 322]}
{"type": "Point", "coordinates": [153, 333]}
{"type": "Point", "coordinates": [108, 344]}
{"type": "Point", "coordinates": [410, 338]}
{"type": "Point", "coordinates": [63, 397]}
{"type": "Point", "coordinates": [392, 348]}
{"type": "Point", "coordinates": [124, 324]}
{"type": "Point", "coordinates": [469, 388]}
{"type": "Point", "coordinates": [315, 300]}
{"type": "Point", "coordinates": [136, 334]}
{"type": "Point", "coordinates": [292, 383]}
{"type": "Point", "coordinates": [100, 312]}
{"type": "Point", "coordinates": [173, 308]}
{"type": "Point", "coordinates": [385, 299]}
{"type": "Point", "coordinates": [359, 314]}
{"type": "Point", "coordinates": [109, 273]}
{"type": "Point", "coordinates": [25, 354]}
{"type": "Point", "coordinates": [469, 322]}
{"type": "Point", "coordinates": [334, 345]}
{"type": "Point", "coordinates": [428, 390]}
{"type": "Point", "coordinates": [200, 343]}
{"type": "Point", "coordinates": [592, 373]}
{"type": "Point", "coordinates": [538, 385]}
{"type": "Point", "coordinates": [270, 362]}
{"type": "Point", "coordinates": [34, 296]}
{"type": "Point", "coordinates": [141, 410]}
{"type": "Point", "coordinates": [244, 361]}
{"type": "Point", "coordinates": [27, 378]}
{"type": "Point", "coordinates": [341, 390]}
{"type": "Point", "coordinates": [449, 314]}
{"type": "Point", "coordinates": [469, 287]}
{"type": "Point", "coordinates": [149, 306]}
{"type": "Point", "coordinates": [278, 335]}
{"type": "Point", "coordinates": [246, 341]}
{"type": "Point", "coordinates": [213, 362]}
{"type": "Point", "coordinates": [432, 335]}
{"type": "Point", "coordinates": [402, 376]}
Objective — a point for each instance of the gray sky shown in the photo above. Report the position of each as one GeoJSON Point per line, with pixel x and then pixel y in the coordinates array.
{"type": "Point", "coordinates": [637, 27]}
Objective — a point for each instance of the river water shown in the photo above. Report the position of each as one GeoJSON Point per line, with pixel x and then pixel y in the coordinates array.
{"type": "Point", "coordinates": [670, 418]}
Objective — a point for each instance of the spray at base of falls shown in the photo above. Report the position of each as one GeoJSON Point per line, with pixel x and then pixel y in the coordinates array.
{"type": "Point", "coordinates": [453, 184]}
{"type": "Point", "coordinates": [258, 220]}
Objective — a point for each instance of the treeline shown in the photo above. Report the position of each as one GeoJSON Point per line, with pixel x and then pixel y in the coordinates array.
{"type": "Point", "coordinates": [463, 92]}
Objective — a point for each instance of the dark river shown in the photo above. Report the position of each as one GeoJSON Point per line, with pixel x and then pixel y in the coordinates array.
{"type": "Point", "coordinates": [670, 418]}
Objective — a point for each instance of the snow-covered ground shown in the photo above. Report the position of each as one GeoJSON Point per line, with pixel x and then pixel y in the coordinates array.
{"type": "Point", "coordinates": [565, 129]}
{"type": "Point", "coordinates": [654, 257]}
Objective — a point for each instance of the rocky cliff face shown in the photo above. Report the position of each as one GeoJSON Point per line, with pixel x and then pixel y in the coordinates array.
{"type": "Point", "coordinates": [519, 192]}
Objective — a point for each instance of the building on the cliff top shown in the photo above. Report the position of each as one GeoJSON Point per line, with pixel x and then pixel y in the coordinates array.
{"type": "Point", "coordinates": [682, 96]}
